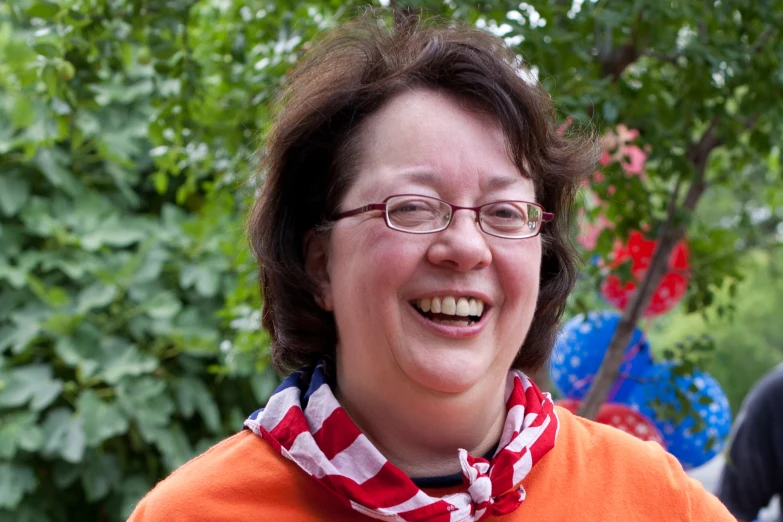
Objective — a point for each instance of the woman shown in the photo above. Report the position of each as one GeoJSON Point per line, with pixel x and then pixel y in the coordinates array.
{"type": "Point", "coordinates": [412, 234]}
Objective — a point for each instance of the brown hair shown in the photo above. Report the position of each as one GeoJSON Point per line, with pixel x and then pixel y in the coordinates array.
{"type": "Point", "coordinates": [310, 152]}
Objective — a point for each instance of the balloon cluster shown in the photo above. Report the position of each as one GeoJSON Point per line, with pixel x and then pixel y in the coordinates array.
{"type": "Point", "coordinates": [687, 412]}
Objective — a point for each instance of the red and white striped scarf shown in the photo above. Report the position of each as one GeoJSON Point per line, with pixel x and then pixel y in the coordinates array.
{"type": "Point", "coordinates": [305, 423]}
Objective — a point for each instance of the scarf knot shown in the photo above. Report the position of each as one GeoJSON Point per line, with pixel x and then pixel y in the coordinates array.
{"type": "Point", "coordinates": [476, 473]}
{"type": "Point", "coordinates": [304, 423]}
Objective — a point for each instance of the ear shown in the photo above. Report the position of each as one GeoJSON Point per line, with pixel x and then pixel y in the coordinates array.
{"type": "Point", "coordinates": [316, 265]}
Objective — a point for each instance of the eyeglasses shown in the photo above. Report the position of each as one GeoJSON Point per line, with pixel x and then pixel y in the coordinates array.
{"type": "Point", "coordinates": [425, 215]}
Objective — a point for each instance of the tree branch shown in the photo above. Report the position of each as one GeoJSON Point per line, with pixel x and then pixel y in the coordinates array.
{"type": "Point", "coordinates": [618, 60]}
{"type": "Point", "coordinates": [763, 38]}
{"type": "Point", "coordinates": [669, 58]}
{"type": "Point", "coordinates": [615, 61]}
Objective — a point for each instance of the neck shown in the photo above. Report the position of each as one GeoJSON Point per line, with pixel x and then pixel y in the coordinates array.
{"type": "Point", "coordinates": [420, 431]}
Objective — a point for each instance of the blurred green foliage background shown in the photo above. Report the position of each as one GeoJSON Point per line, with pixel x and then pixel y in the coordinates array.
{"type": "Point", "coordinates": [129, 305]}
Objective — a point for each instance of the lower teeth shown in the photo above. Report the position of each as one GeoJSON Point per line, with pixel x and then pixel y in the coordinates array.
{"type": "Point", "coordinates": [466, 322]}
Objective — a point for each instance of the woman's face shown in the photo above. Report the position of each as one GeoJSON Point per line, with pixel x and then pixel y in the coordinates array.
{"type": "Point", "coordinates": [377, 280]}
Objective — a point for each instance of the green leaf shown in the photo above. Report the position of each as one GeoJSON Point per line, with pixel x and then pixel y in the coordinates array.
{"type": "Point", "coordinates": [147, 401]}
{"type": "Point", "coordinates": [14, 191]}
{"type": "Point", "coordinates": [150, 266]}
{"type": "Point", "coordinates": [61, 323]}
{"type": "Point", "coordinates": [50, 79]}
{"type": "Point", "coordinates": [66, 437]}
{"type": "Point", "coordinates": [164, 305]}
{"type": "Point", "coordinates": [101, 473]}
{"type": "Point", "coordinates": [120, 359]}
{"type": "Point", "coordinates": [192, 395]}
{"type": "Point", "coordinates": [23, 113]}
{"type": "Point", "coordinates": [97, 295]}
{"type": "Point", "coordinates": [102, 420]}
{"type": "Point", "coordinates": [67, 71]}
{"type": "Point", "coordinates": [46, 49]}
{"type": "Point", "coordinates": [26, 512]}
{"type": "Point", "coordinates": [31, 384]}
{"type": "Point", "coordinates": [113, 233]}
{"type": "Point", "coordinates": [610, 111]}
{"type": "Point", "coordinates": [53, 296]}
{"type": "Point", "coordinates": [205, 279]}
{"type": "Point", "coordinates": [65, 474]}
{"type": "Point", "coordinates": [15, 482]}
{"type": "Point", "coordinates": [50, 161]}
{"type": "Point", "coordinates": [263, 385]}
{"type": "Point", "coordinates": [81, 350]}
{"type": "Point", "coordinates": [132, 489]}
{"type": "Point", "coordinates": [172, 443]}
{"type": "Point", "coordinates": [43, 9]}
{"type": "Point", "coordinates": [19, 431]}
{"type": "Point", "coordinates": [19, 334]}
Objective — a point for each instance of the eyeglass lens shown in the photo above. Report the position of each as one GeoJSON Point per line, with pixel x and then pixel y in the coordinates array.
{"type": "Point", "coordinates": [421, 214]}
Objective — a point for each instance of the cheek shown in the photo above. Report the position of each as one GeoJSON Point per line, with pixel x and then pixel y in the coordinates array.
{"type": "Point", "coordinates": [371, 265]}
{"type": "Point", "coordinates": [520, 272]}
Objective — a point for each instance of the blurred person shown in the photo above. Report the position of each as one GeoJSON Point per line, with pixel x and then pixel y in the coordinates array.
{"type": "Point", "coordinates": [413, 239]}
{"type": "Point", "coordinates": [753, 473]}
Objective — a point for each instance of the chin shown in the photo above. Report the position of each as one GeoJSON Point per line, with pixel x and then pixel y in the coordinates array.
{"type": "Point", "coordinates": [452, 373]}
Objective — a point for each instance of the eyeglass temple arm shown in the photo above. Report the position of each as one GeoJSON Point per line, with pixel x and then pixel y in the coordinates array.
{"type": "Point", "coordinates": [361, 210]}
{"type": "Point", "coordinates": [547, 216]}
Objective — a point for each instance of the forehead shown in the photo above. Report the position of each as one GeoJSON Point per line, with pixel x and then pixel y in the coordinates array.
{"type": "Point", "coordinates": [435, 140]}
{"type": "Point", "coordinates": [489, 182]}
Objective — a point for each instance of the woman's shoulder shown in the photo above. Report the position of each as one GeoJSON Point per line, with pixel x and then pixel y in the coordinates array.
{"type": "Point", "coordinates": [584, 446]}
{"type": "Point", "coordinates": [237, 479]}
{"type": "Point", "coordinates": [630, 474]}
{"type": "Point", "coordinates": [198, 486]}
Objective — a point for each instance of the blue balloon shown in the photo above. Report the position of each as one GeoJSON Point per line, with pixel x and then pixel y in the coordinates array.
{"type": "Point", "coordinates": [703, 394]}
{"type": "Point", "coordinates": [579, 351]}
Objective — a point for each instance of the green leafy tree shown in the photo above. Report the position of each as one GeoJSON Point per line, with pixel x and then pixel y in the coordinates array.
{"type": "Point", "coordinates": [745, 347]}
{"type": "Point", "coordinates": [129, 305]}
{"type": "Point", "coordinates": [700, 87]}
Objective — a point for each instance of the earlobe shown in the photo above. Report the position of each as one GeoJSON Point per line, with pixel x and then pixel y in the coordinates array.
{"type": "Point", "coordinates": [316, 265]}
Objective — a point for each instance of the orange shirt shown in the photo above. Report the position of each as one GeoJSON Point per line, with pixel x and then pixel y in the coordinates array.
{"type": "Point", "coordinates": [593, 473]}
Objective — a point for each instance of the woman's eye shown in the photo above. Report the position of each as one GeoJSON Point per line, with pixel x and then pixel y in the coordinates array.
{"type": "Point", "coordinates": [506, 212]}
{"type": "Point", "coordinates": [413, 206]}
{"type": "Point", "coordinates": [409, 207]}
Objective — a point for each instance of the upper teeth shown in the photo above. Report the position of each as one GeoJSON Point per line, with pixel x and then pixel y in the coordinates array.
{"type": "Point", "coordinates": [450, 305]}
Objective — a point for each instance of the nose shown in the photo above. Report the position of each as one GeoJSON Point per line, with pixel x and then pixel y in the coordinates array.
{"type": "Point", "coordinates": [462, 246]}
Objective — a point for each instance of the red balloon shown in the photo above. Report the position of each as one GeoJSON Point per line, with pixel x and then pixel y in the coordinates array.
{"type": "Point", "coordinates": [639, 250]}
{"type": "Point", "coordinates": [623, 418]}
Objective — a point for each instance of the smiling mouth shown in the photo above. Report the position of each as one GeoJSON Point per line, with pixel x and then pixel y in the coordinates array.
{"type": "Point", "coordinates": [450, 310]}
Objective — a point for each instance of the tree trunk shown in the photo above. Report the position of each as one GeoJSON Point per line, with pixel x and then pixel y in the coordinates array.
{"type": "Point", "coordinates": [610, 366]}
